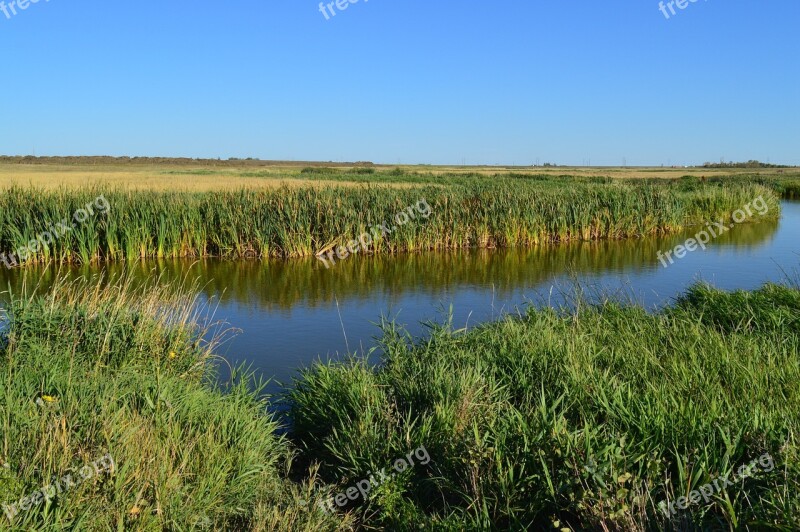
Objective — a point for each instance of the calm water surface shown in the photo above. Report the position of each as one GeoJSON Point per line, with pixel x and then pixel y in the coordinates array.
{"type": "Point", "coordinates": [294, 312]}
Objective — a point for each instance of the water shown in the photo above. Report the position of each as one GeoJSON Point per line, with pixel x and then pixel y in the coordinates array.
{"type": "Point", "coordinates": [292, 313]}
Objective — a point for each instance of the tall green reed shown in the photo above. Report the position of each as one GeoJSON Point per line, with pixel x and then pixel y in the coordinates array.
{"type": "Point", "coordinates": [300, 222]}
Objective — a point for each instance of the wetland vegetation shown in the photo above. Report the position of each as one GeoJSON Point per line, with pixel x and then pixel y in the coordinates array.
{"type": "Point", "coordinates": [585, 416]}
{"type": "Point", "coordinates": [467, 211]}
{"type": "Point", "coordinates": [582, 417]}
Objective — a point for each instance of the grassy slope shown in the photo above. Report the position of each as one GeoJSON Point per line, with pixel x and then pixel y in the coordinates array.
{"type": "Point", "coordinates": [130, 377]}
{"type": "Point", "coordinates": [293, 222]}
{"type": "Point", "coordinates": [587, 420]}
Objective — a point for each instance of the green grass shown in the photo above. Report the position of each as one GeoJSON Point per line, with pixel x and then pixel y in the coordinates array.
{"type": "Point", "coordinates": [787, 186]}
{"type": "Point", "coordinates": [791, 189]}
{"type": "Point", "coordinates": [300, 222]}
{"type": "Point", "coordinates": [129, 374]}
{"type": "Point", "coordinates": [583, 419]}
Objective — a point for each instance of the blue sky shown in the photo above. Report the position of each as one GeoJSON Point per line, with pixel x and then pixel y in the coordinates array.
{"type": "Point", "coordinates": [413, 81]}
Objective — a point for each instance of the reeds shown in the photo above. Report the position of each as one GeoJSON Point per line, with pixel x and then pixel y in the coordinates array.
{"type": "Point", "coordinates": [583, 420]}
{"type": "Point", "coordinates": [299, 222]}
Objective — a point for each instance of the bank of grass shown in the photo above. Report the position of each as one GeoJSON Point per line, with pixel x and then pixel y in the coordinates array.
{"type": "Point", "coordinates": [582, 419]}
{"type": "Point", "coordinates": [301, 222]}
{"type": "Point", "coordinates": [95, 368]}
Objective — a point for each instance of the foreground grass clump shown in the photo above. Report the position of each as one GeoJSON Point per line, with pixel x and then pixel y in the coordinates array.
{"type": "Point", "coordinates": [301, 222]}
{"type": "Point", "coordinates": [582, 419]}
{"type": "Point", "coordinates": [97, 369]}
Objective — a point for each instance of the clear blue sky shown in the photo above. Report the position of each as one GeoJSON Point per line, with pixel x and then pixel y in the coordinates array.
{"type": "Point", "coordinates": [508, 81]}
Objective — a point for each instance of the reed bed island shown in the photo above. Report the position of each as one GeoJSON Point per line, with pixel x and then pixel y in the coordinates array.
{"type": "Point", "coordinates": [488, 212]}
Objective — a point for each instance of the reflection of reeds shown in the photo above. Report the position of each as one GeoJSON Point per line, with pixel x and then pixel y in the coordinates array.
{"type": "Point", "coordinates": [279, 284]}
{"type": "Point", "coordinates": [291, 222]}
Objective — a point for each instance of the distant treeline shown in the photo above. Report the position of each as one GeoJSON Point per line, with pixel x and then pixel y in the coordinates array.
{"type": "Point", "coordinates": [748, 164]}
{"type": "Point", "coordinates": [103, 159]}
{"type": "Point", "coordinates": [255, 162]}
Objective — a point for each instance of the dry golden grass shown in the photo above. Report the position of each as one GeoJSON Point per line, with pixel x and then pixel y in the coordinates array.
{"type": "Point", "coordinates": [149, 177]}
{"type": "Point", "coordinates": [202, 177]}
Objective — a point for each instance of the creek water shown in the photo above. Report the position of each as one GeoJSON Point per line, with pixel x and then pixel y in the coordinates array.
{"type": "Point", "coordinates": [292, 313]}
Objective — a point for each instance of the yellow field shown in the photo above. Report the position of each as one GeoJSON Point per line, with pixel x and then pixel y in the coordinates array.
{"type": "Point", "coordinates": [209, 177]}
{"type": "Point", "coordinates": [147, 177]}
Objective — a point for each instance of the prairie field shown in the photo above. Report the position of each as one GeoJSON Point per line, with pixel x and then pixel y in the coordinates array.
{"type": "Point", "coordinates": [200, 176]}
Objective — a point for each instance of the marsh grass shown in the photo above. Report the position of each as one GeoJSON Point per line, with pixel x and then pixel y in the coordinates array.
{"type": "Point", "coordinates": [584, 419]}
{"type": "Point", "coordinates": [300, 222]}
{"type": "Point", "coordinates": [127, 370]}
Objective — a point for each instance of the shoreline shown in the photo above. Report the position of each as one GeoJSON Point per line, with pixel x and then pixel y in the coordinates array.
{"type": "Point", "coordinates": [613, 373]}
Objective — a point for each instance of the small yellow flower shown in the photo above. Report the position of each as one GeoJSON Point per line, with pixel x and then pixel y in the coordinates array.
{"type": "Point", "coordinates": [172, 355]}
{"type": "Point", "coordinates": [42, 399]}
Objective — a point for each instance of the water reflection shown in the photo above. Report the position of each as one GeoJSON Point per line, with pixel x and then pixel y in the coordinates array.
{"type": "Point", "coordinates": [282, 285]}
{"type": "Point", "coordinates": [292, 312]}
